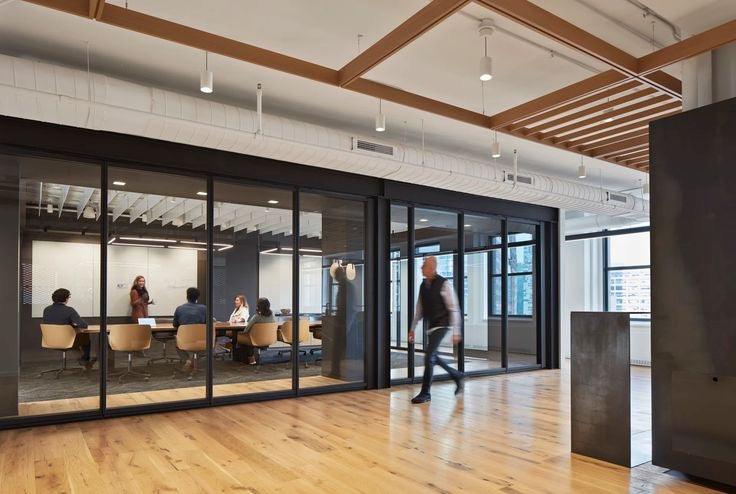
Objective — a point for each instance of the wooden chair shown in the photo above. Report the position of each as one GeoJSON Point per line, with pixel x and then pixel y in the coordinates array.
{"type": "Point", "coordinates": [58, 337]}
{"type": "Point", "coordinates": [129, 338]}
{"type": "Point", "coordinates": [192, 338]}
{"type": "Point", "coordinates": [261, 335]}
{"type": "Point", "coordinates": [286, 334]}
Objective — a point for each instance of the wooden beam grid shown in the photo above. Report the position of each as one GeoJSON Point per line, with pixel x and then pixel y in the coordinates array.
{"type": "Point", "coordinates": [532, 117]}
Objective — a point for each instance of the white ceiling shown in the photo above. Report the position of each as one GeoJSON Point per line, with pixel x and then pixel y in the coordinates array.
{"type": "Point", "coordinates": [441, 64]}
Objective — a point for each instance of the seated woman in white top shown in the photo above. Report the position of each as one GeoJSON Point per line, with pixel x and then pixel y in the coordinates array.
{"type": "Point", "coordinates": [239, 316]}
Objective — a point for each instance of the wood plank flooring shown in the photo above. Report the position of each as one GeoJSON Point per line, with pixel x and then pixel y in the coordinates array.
{"type": "Point", "coordinates": [507, 434]}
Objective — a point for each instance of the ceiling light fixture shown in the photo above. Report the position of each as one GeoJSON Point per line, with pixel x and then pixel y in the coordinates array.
{"type": "Point", "coordinates": [119, 183]}
{"type": "Point", "coordinates": [581, 169]}
{"type": "Point", "coordinates": [467, 226]}
{"type": "Point", "coordinates": [609, 118]}
{"type": "Point", "coordinates": [496, 146]}
{"type": "Point", "coordinates": [144, 239]}
{"type": "Point", "coordinates": [200, 193]}
{"type": "Point", "coordinates": [485, 30]}
{"type": "Point", "coordinates": [206, 78]}
{"type": "Point", "coordinates": [423, 220]}
{"type": "Point", "coordinates": [89, 213]}
{"type": "Point", "coordinates": [273, 201]}
{"type": "Point", "coordinates": [645, 188]}
{"type": "Point", "coordinates": [380, 118]}
{"type": "Point", "coordinates": [49, 208]}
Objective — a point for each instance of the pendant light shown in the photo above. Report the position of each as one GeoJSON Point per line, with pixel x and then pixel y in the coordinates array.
{"type": "Point", "coordinates": [206, 78]}
{"type": "Point", "coordinates": [380, 119]}
{"type": "Point", "coordinates": [486, 63]}
{"type": "Point", "coordinates": [496, 146]}
{"type": "Point", "coordinates": [645, 188]}
{"type": "Point", "coordinates": [581, 169]}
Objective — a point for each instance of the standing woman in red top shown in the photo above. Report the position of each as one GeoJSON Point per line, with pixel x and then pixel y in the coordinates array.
{"type": "Point", "coordinates": [139, 299]}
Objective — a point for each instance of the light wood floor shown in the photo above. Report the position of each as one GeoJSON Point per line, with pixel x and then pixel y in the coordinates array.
{"type": "Point", "coordinates": [506, 434]}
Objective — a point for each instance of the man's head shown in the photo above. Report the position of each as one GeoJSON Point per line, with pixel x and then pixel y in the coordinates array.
{"type": "Point", "coordinates": [60, 295]}
{"type": "Point", "coordinates": [192, 294]}
{"type": "Point", "coordinates": [429, 267]}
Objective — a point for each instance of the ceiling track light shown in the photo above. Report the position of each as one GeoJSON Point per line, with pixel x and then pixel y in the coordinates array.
{"type": "Point", "coordinates": [206, 78]}
{"type": "Point", "coordinates": [380, 118]}
{"type": "Point", "coordinates": [496, 146]}
{"type": "Point", "coordinates": [581, 169]}
{"type": "Point", "coordinates": [645, 188]}
{"type": "Point", "coordinates": [485, 30]}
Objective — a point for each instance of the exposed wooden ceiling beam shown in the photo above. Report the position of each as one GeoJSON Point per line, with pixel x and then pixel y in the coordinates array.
{"type": "Point", "coordinates": [593, 110]}
{"type": "Point", "coordinates": [634, 117]}
{"type": "Point", "coordinates": [574, 104]}
{"type": "Point", "coordinates": [575, 145]}
{"type": "Point", "coordinates": [418, 24]}
{"type": "Point", "coordinates": [556, 98]}
{"type": "Point", "coordinates": [640, 165]}
{"type": "Point", "coordinates": [689, 47]}
{"type": "Point", "coordinates": [544, 22]}
{"type": "Point", "coordinates": [611, 140]}
{"type": "Point", "coordinates": [530, 15]}
{"type": "Point", "coordinates": [634, 157]}
{"type": "Point", "coordinates": [620, 147]}
{"type": "Point", "coordinates": [656, 101]}
{"type": "Point", "coordinates": [95, 8]}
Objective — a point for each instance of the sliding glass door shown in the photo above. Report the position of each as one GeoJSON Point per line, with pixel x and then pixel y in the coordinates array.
{"type": "Point", "coordinates": [156, 287]}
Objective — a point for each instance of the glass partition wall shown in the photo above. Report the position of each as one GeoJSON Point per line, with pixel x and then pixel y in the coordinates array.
{"type": "Point", "coordinates": [498, 292]}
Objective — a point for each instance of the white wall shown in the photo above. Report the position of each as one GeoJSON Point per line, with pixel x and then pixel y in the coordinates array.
{"type": "Point", "coordinates": [75, 266]}
{"type": "Point", "coordinates": [274, 282]}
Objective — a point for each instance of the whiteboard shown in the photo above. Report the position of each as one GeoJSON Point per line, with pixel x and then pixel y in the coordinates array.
{"type": "Point", "coordinates": [76, 267]}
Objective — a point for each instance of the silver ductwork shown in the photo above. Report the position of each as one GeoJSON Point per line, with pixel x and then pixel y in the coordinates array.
{"type": "Point", "coordinates": [61, 95]}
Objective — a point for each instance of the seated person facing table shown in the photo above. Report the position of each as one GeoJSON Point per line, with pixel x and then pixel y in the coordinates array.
{"type": "Point", "coordinates": [240, 315]}
{"type": "Point", "coordinates": [263, 314]}
{"type": "Point", "coordinates": [189, 313]}
{"type": "Point", "coordinates": [61, 313]}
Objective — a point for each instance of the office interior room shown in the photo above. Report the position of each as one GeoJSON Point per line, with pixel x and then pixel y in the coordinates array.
{"type": "Point", "coordinates": [273, 221]}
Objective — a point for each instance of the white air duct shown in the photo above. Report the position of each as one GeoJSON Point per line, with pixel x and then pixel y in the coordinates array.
{"type": "Point", "coordinates": [50, 93]}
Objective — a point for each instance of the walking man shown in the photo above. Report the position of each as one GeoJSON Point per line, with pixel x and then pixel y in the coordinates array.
{"type": "Point", "coordinates": [438, 305]}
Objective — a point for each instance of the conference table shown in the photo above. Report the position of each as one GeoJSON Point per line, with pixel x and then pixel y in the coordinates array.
{"type": "Point", "coordinates": [221, 329]}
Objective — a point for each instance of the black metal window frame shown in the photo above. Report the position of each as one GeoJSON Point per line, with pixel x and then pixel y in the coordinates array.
{"type": "Point", "coordinates": [608, 269]}
{"type": "Point", "coordinates": [542, 326]}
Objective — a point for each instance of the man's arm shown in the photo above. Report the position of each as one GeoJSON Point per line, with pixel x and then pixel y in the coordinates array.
{"type": "Point", "coordinates": [418, 314]}
{"type": "Point", "coordinates": [175, 321]}
{"type": "Point", "coordinates": [453, 307]}
{"type": "Point", "coordinates": [77, 320]}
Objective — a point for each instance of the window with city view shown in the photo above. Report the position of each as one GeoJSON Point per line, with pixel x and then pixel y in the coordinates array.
{"type": "Point", "coordinates": [628, 274]}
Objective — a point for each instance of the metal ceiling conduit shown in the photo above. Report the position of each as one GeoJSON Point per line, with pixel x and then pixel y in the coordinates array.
{"type": "Point", "coordinates": [61, 95]}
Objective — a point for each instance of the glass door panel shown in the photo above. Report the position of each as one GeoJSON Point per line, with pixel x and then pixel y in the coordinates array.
{"type": "Point", "coordinates": [523, 331]}
{"type": "Point", "coordinates": [435, 235]}
{"type": "Point", "coordinates": [399, 292]}
{"type": "Point", "coordinates": [157, 287]}
{"type": "Point", "coordinates": [482, 285]}
{"type": "Point", "coordinates": [252, 262]}
{"type": "Point", "coordinates": [331, 288]}
{"type": "Point", "coordinates": [49, 255]}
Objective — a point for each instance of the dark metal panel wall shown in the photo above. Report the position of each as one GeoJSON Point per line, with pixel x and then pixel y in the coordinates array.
{"type": "Point", "coordinates": [693, 181]}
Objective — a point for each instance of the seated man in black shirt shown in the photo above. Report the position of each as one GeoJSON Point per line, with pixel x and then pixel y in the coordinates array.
{"type": "Point", "coordinates": [190, 313]}
{"type": "Point", "coordinates": [60, 313]}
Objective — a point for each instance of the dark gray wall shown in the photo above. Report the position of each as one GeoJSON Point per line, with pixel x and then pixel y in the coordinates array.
{"type": "Point", "coordinates": [235, 271]}
{"type": "Point", "coordinates": [693, 218]}
{"type": "Point", "coordinates": [9, 223]}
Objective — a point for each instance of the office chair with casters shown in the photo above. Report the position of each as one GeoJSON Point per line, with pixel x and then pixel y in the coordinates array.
{"type": "Point", "coordinates": [286, 334]}
{"type": "Point", "coordinates": [192, 338]}
{"type": "Point", "coordinates": [261, 335]}
{"type": "Point", "coordinates": [163, 337]}
{"type": "Point", "coordinates": [129, 338]}
{"type": "Point", "coordinates": [58, 337]}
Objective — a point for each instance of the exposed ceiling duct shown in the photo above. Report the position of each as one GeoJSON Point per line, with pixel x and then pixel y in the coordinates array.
{"type": "Point", "coordinates": [50, 93]}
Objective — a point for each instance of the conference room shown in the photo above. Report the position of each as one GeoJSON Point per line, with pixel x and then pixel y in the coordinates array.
{"type": "Point", "coordinates": [148, 287]}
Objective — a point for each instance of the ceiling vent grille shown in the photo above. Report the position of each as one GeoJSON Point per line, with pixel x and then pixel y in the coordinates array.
{"type": "Point", "coordinates": [372, 147]}
{"type": "Point", "coordinates": [617, 197]}
{"type": "Point", "coordinates": [522, 179]}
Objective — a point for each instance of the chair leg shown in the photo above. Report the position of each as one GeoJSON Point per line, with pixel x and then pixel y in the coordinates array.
{"type": "Point", "coordinates": [129, 372]}
{"type": "Point", "coordinates": [59, 371]}
{"type": "Point", "coordinates": [164, 357]}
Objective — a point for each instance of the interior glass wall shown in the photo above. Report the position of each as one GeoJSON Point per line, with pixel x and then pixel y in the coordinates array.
{"type": "Point", "coordinates": [252, 289]}
{"type": "Point", "coordinates": [331, 296]}
{"type": "Point", "coordinates": [399, 292]}
{"type": "Point", "coordinates": [436, 235]}
{"type": "Point", "coordinates": [157, 287]}
{"type": "Point", "coordinates": [482, 292]}
{"type": "Point", "coordinates": [49, 257]}
{"type": "Point", "coordinates": [523, 330]}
